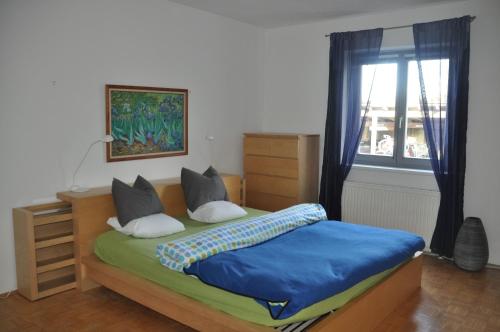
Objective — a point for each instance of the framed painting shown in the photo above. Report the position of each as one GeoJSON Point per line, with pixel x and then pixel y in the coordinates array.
{"type": "Point", "coordinates": [146, 122]}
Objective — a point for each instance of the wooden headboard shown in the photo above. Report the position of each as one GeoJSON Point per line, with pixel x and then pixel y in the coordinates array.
{"type": "Point", "coordinates": [92, 209]}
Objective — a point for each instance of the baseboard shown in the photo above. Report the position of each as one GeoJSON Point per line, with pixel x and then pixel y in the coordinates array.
{"type": "Point", "coordinates": [493, 266]}
{"type": "Point", "coordinates": [488, 266]}
{"type": "Point", "coordinates": [7, 294]}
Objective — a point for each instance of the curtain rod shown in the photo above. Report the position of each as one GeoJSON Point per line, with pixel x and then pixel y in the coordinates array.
{"type": "Point", "coordinates": [402, 26]}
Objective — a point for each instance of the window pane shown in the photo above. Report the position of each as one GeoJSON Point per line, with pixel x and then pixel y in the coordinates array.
{"type": "Point", "coordinates": [436, 87]}
{"type": "Point", "coordinates": [378, 134]}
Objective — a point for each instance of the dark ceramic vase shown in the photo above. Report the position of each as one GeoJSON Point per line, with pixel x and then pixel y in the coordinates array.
{"type": "Point", "coordinates": [471, 247]}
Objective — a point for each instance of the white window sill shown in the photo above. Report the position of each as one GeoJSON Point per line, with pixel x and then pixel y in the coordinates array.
{"type": "Point", "coordinates": [392, 176]}
{"type": "Point", "coordinates": [393, 169]}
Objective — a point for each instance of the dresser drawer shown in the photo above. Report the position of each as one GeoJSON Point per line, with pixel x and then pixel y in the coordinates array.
{"type": "Point", "coordinates": [272, 185]}
{"type": "Point", "coordinates": [268, 202]}
{"type": "Point", "coordinates": [274, 147]}
{"type": "Point", "coordinates": [284, 167]}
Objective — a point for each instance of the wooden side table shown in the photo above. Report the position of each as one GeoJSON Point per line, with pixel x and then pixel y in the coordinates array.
{"type": "Point", "coordinates": [44, 244]}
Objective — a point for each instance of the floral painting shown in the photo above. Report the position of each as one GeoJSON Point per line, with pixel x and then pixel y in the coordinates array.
{"type": "Point", "coordinates": [146, 122]}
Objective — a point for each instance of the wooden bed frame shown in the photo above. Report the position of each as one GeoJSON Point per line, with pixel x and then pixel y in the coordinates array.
{"type": "Point", "coordinates": [91, 210]}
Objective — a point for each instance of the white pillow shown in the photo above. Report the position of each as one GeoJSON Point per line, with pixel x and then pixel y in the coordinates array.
{"type": "Point", "coordinates": [151, 226]}
{"type": "Point", "coordinates": [217, 211]}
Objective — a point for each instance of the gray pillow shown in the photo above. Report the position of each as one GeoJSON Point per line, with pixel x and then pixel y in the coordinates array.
{"type": "Point", "coordinates": [135, 202]}
{"type": "Point", "coordinates": [202, 188]}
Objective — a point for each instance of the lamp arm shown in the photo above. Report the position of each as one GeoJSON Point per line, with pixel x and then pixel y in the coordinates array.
{"type": "Point", "coordinates": [83, 159]}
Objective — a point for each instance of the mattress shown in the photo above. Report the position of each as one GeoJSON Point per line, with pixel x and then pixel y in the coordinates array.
{"type": "Point", "coordinates": [137, 256]}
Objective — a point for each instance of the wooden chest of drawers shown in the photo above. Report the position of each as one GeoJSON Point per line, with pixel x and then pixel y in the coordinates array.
{"type": "Point", "coordinates": [280, 169]}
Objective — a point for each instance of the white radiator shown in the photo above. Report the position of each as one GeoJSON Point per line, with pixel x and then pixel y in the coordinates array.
{"type": "Point", "coordinates": [410, 209]}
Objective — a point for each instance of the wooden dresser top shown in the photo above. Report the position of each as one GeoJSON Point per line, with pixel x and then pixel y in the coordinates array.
{"type": "Point", "coordinates": [279, 135]}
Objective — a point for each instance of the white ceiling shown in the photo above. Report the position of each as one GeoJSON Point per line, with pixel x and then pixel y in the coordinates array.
{"type": "Point", "coordinates": [275, 13]}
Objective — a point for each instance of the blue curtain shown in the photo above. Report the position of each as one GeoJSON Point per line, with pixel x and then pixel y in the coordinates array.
{"type": "Point", "coordinates": [348, 50]}
{"type": "Point", "coordinates": [445, 122]}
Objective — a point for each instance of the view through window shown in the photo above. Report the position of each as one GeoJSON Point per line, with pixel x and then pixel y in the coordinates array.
{"type": "Point", "coordinates": [435, 74]}
{"type": "Point", "coordinates": [379, 132]}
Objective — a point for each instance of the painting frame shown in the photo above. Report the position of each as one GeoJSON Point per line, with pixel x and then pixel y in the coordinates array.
{"type": "Point", "coordinates": [113, 157]}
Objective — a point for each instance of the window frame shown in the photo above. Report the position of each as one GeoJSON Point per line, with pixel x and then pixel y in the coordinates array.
{"type": "Point", "coordinates": [402, 57]}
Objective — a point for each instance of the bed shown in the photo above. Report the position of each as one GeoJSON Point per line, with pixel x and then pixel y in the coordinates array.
{"type": "Point", "coordinates": [200, 306]}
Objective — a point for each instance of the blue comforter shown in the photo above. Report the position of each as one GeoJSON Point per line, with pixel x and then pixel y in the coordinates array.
{"type": "Point", "coordinates": [307, 265]}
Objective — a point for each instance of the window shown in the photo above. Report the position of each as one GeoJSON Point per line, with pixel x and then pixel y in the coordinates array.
{"type": "Point", "coordinates": [393, 134]}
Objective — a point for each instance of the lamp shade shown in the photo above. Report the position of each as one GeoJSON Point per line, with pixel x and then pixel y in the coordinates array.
{"type": "Point", "coordinates": [108, 139]}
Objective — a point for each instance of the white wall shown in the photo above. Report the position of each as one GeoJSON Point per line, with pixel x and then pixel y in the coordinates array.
{"type": "Point", "coordinates": [296, 81]}
{"type": "Point", "coordinates": [82, 45]}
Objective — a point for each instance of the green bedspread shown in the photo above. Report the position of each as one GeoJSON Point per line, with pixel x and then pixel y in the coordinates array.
{"type": "Point", "coordinates": [138, 257]}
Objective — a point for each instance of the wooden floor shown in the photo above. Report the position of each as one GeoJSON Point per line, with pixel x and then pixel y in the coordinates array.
{"type": "Point", "coordinates": [450, 300]}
